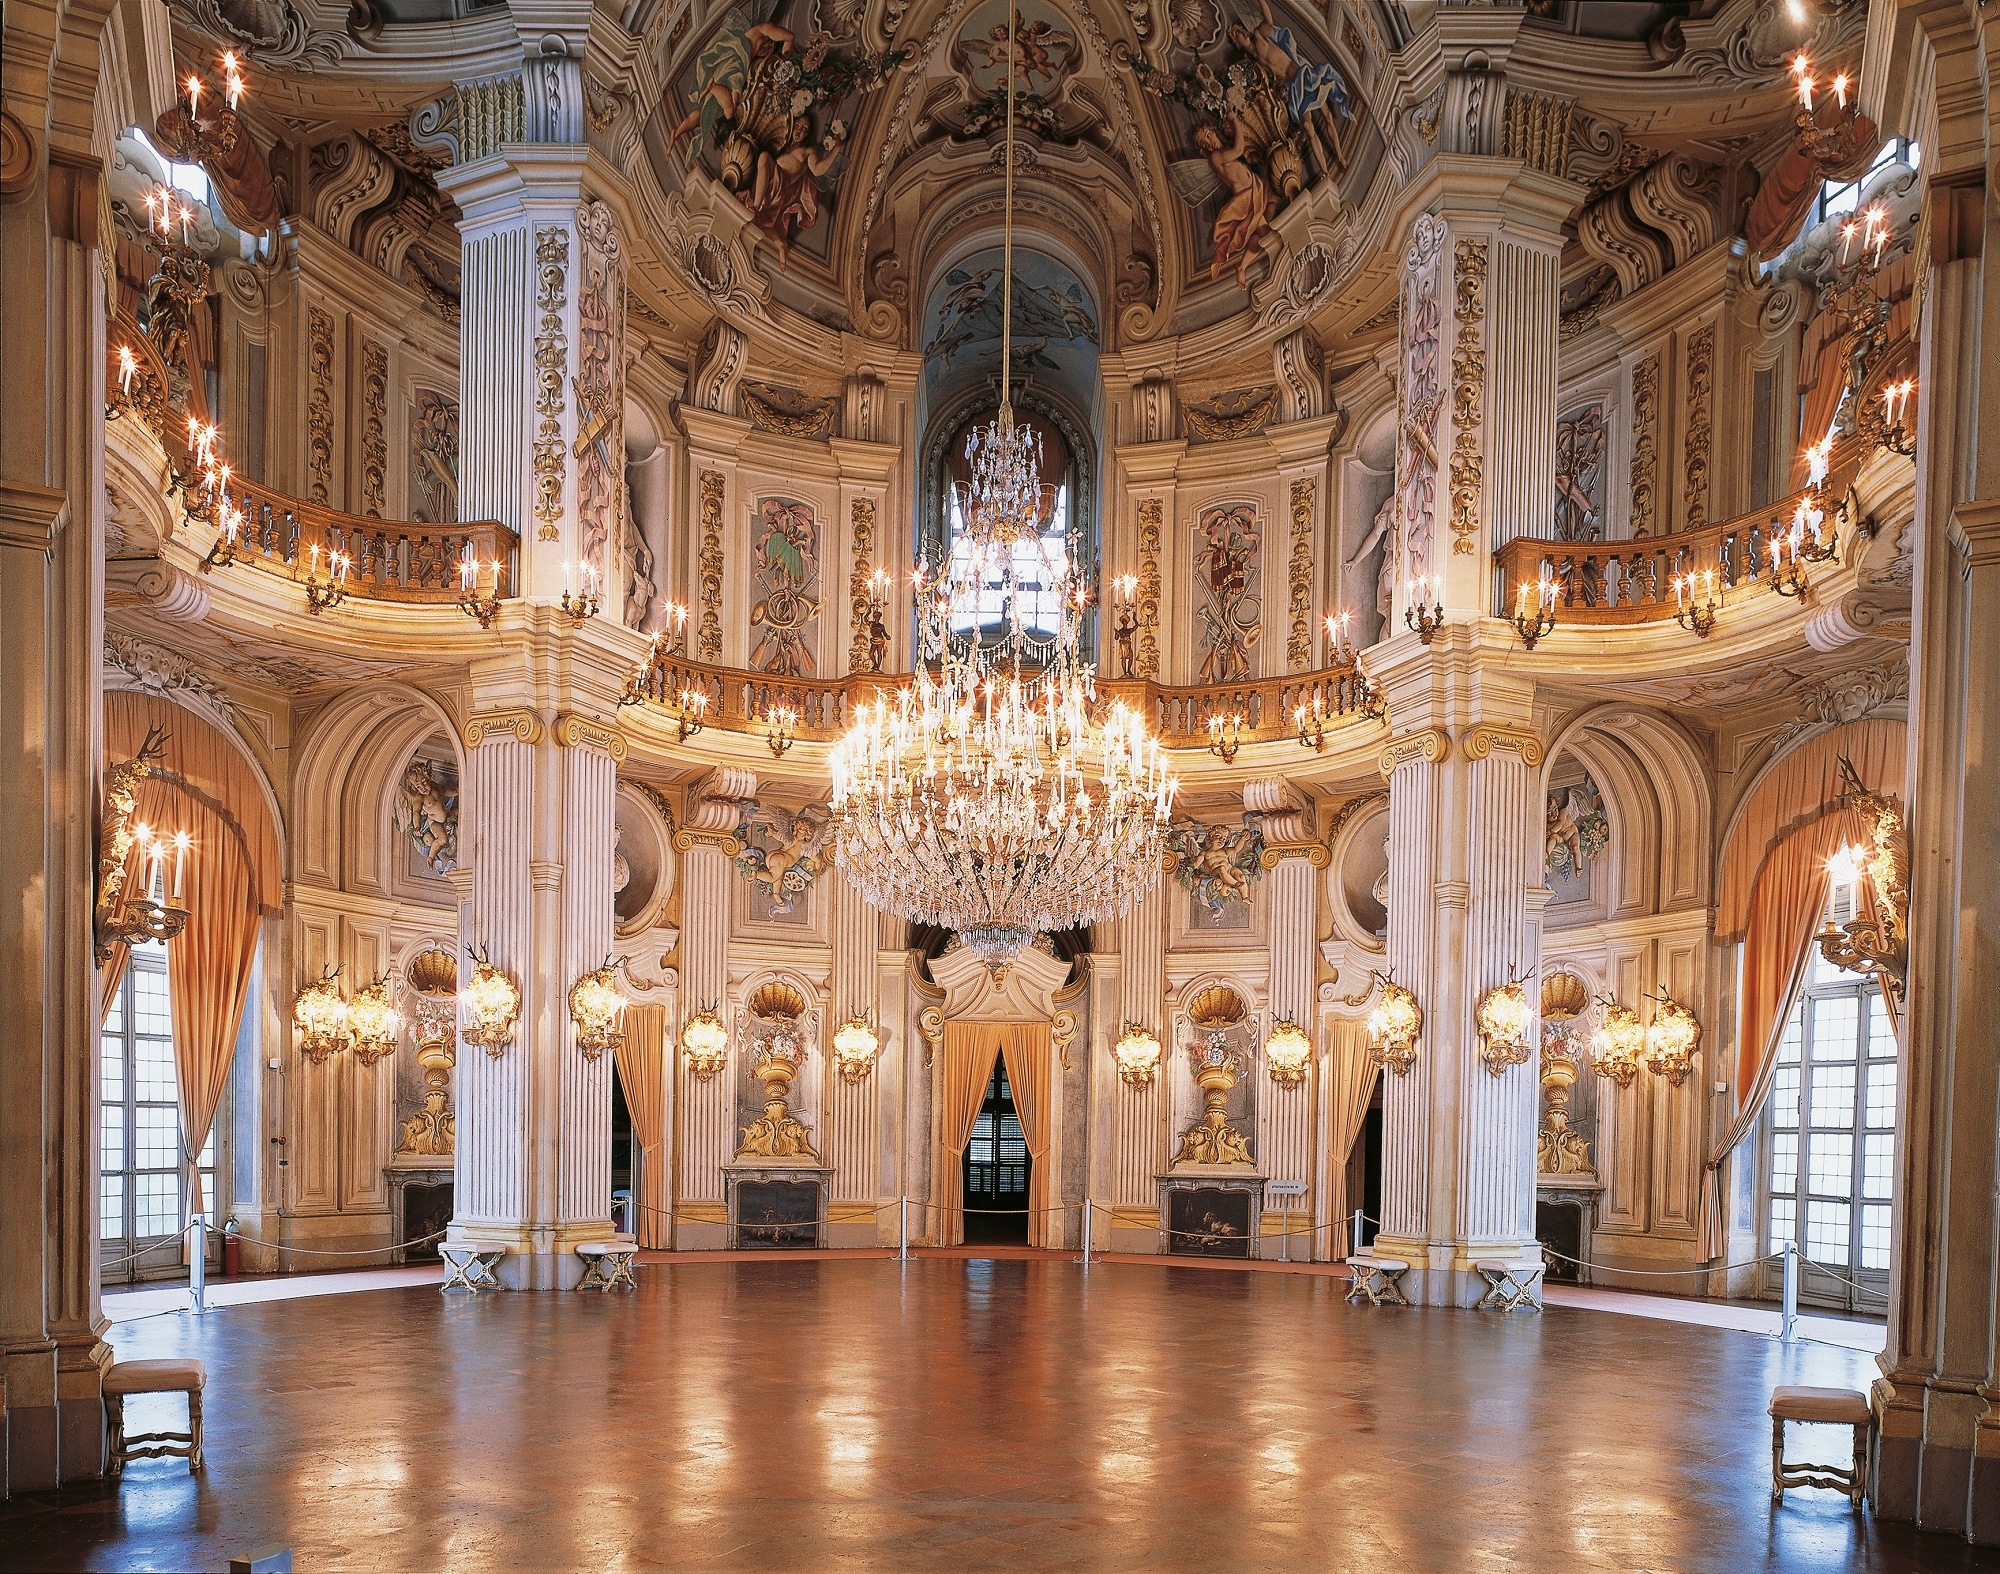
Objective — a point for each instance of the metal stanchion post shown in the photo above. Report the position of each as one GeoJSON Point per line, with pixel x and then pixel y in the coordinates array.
{"type": "Point", "coordinates": [902, 1229]}
{"type": "Point", "coordinates": [1789, 1325]}
{"type": "Point", "coordinates": [198, 1267]}
{"type": "Point", "coordinates": [1086, 1232]}
{"type": "Point", "coordinates": [1354, 1240]}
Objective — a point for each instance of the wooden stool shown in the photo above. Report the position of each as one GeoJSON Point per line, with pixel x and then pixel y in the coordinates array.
{"type": "Point", "coordinates": [1830, 1406]}
{"type": "Point", "coordinates": [607, 1264]}
{"type": "Point", "coordinates": [182, 1375]}
{"type": "Point", "coordinates": [1510, 1284]}
{"type": "Point", "coordinates": [1377, 1278]}
{"type": "Point", "coordinates": [470, 1264]}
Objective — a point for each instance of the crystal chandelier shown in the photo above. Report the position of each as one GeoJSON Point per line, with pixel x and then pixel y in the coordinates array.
{"type": "Point", "coordinates": [996, 796]}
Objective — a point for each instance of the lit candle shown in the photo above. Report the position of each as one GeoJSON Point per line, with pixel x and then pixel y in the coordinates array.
{"type": "Point", "coordinates": [340, 562]}
{"type": "Point", "coordinates": [186, 215]}
{"type": "Point", "coordinates": [1708, 584]}
{"type": "Point", "coordinates": [1840, 90]}
{"type": "Point", "coordinates": [1800, 64]}
{"type": "Point", "coordinates": [234, 84]}
{"type": "Point", "coordinates": [494, 566]}
{"type": "Point", "coordinates": [1548, 588]}
{"type": "Point", "coordinates": [312, 570]}
{"type": "Point", "coordinates": [142, 835]}
{"type": "Point", "coordinates": [180, 861]}
{"type": "Point", "coordinates": [466, 569]}
{"type": "Point", "coordinates": [128, 364]}
{"type": "Point", "coordinates": [156, 880]}
{"type": "Point", "coordinates": [1847, 240]}
{"type": "Point", "coordinates": [566, 579]}
{"type": "Point", "coordinates": [194, 96]}
{"type": "Point", "coordinates": [1805, 92]}
{"type": "Point", "coordinates": [1521, 600]}
{"type": "Point", "coordinates": [1680, 591]}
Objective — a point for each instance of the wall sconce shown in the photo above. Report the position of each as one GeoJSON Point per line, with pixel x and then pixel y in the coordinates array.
{"type": "Point", "coordinates": [1394, 1025]}
{"type": "Point", "coordinates": [1697, 599]}
{"type": "Point", "coordinates": [229, 524]}
{"type": "Point", "coordinates": [1672, 1040]}
{"type": "Point", "coordinates": [1311, 724]}
{"type": "Point", "coordinates": [780, 722]}
{"type": "Point", "coordinates": [331, 591]}
{"type": "Point", "coordinates": [1225, 736]}
{"type": "Point", "coordinates": [1137, 1054]}
{"type": "Point", "coordinates": [151, 915]}
{"type": "Point", "coordinates": [706, 1042]}
{"type": "Point", "coordinates": [584, 605]}
{"type": "Point", "coordinates": [494, 1001]}
{"type": "Point", "coordinates": [1287, 1052]}
{"type": "Point", "coordinates": [1425, 613]}
{"type": "Point", "coordinates": [1505, 1020]}
{"type": "Point", "coordinates": [1788, 571]}
{"type": "Point", "coordinates": [320, 1018]}
{"type": "Point", "coordinates": [1533, 619]}
{"type": "Point", "coordinates": [372, 1023]}
{"type": "Point", "coordinates": [854, 1049]}
{"type": "Point", "coordinates": [474, 605]}
{"type": "Point", "coordinates": [1880, 940]}
{"type": "Point", "coordinates": [1125, 622]}
{"type": "Point", "coordinates": [1618, 1046]}
{"type": "Point", "coordinates": [598, 1010]}
{"type": "Point", "coordinates": [1340, 650]}
{"type": "Point", "coordinates": [693, 714]}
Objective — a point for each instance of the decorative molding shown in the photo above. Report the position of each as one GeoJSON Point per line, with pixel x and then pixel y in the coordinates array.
{"type": "Point", "coordinates": [319, 404]}
{"type": "Point", "coordinates": [709, 637]}
{"type": "Point", "coordinates": [1315, 853]}
{"type": "Point", "coordinates": [576, 732]}
{"type": "Point", "coordinates": [1062, 1033]}
{"type": "Point", "coordinates": [374, 427]}
{"type": "Point", "coordinates": [1419, 391]}
{"type": "Point", "coordinates": [690, 836]}
{"type": "Point", "coordinates": [1337, 822]}
{"type": "Point", "coordinates": [861, 524]}
{"type": "Point", "coordinates": [789, 412]}
{"type": "Point", "coordinates": [1229, 417]}
{"type": "Point", "coordinates": [1468, 377]}
{"type": "Point", "coordinates": [930, 1021]}
{"type": "Point", "coordinates": [1299, 645]}
{"type": "Point", "coordinates": [1485, 738]}
{"type": "Point", "coordinates": [599, 389]}
{"type": "Point", "coordinates": [545, 874]}
{"type": "Point", "coordinates": [1431, 744]}
{"type": "Point", "coordinates": [551, 366]}
{"type": "Point", "coordinates": [1300, 367]}
{"type": "Point", "coordinates": [1645, 445]}
{"type": "Point", "coordinates": [17, 159]}
{"type": "Point", "coordinates": [717, 368]}
{"type": "Point", "coordinates": [1535, 128]}
{"type": "Point", "coordinates": [156, 671]}
{"type": "Point", "coordinates": [1701, 387]}
{"type": "Point", "coordinates": [523, 723]}
{"type": "Point", "coordinates": [1152, 514]}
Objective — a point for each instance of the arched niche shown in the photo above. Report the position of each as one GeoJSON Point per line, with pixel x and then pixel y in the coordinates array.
{"type": "Point", "coordinates": [645, 847]}
{"type": "Point", "coordinates": [1356, 872]}
{"type": "Point", "coordinates": [1364, 575]}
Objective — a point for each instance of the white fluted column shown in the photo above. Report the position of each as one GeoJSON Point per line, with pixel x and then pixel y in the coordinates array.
{"type": "Point", "coordinates": [1138, 1132]}
{"type": "Point", "coordinates": [1285, 1136]}
{"type": "Point", "coordinates": [852, 1136]}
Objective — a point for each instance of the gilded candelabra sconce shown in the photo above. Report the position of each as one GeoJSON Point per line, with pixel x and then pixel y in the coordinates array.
{"type": "Point", "coordinates": [1340, 651]}
{"type": "Point", "coordinates": [1506, 1020]}
{"type": "Point", "coordinates": [580, 603]}
{"type": "Point", "coordinates": [320, 1018]}
{"type": "Point", "coordinates": [230, 521]}
{"type": "Point", "coordinates": [154, 914]}
{"type": "Point", "coordinates": [1697, 600]}
{"type": "Point", "coordinates": [705, 1042]}
{"type": "Point", "coordinates": [332, 590]}
{"type": "Point", "coordinates": [493, 1001]}
{"type": "Point", "coordinates": [1890, 426]}
{"type": "Point", "coordinates": [1394, 1025]}
{"type": "Point", "coordinates": [1881, 939]}
{"type": "Point", "coordinates": [1137, 1056]}
{"type": "Point", "coordinates": [675, 635]}
{"type": "Point", "coordinates": [1287, 1052]}
{"type": "Point", "coordinates": [876, 620]}
{"type": "Point", "coordinates": [1671, 1040]}
{"type": "Point", "coordinates": [474, 603]}
{"type": "Point", "coordinates": [777, 1050]}
{"type": "Point", "coordinates": [1217, 1064]}
{"type": "Point", "coordinates": [1817, 140]}
{"type": "Point", "coordinates": [1425, 613]}
{"type": "Point", "coordinates": [373, 1023]}
{"type": "Point", "coordinates": [1311, 725]}
{"type": "Point", "coordinates": [1535, 609]}
{"type": "Point", "coordinates": [855, 1047]}
{"type": "Point", "coordinates": [780, 725]}
{"type": "Point", "coordinates": [597, 1009]}
{"type": "Point", "coordinates": [1788, 570]}
{"type": "Point", "coordinates": [692, 711]}
{"type": "Point", "coordinates": [1125, 622]}
{"type": "Point", "coordinates": [1225, 736]}
{"type": "Point", "coordinates": [1618, 1047]}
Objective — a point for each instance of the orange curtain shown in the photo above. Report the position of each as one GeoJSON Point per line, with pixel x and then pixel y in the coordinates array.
{"type": "Point", "coordinates": [1785, 911]}
{"type": "Point", "coordinates": [642, 1068]}
{"type": "Point", "coordinates": [208, 977]}
{"type": "Point", "coordinates": [1352, 1073]}
{"type": "Point", "coordinates": [1823, 363]}
{"type": "Point", "coordinates": [964, 1068]}
{"type": "Point", "coordinates": [1028, 1048]}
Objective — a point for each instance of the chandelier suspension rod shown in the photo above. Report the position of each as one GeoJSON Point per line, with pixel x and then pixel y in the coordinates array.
{"type": "Point", "coordinates": [1007, 240]}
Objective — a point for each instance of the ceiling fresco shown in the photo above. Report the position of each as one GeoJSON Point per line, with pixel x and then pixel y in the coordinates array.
{"type": "Point", "coordinates": [1054, 328]}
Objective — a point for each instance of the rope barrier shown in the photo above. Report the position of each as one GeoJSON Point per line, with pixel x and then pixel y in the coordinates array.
{"type": "Point", "coordinates": [1859, 1289]}
{"type": "Point", "coordinates": [1662, 1273]}
{"type": "Point", "coordinates": [166, 1240]}
{"type": "Point", "coordinates": [321, 1251]}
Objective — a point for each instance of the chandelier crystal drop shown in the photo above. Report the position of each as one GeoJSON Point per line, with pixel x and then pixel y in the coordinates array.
{"type": "Point", "coordinates": [996, 795]}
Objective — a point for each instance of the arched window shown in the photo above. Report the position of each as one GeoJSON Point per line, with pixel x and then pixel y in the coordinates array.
{"type": "Point", "coordinates": [1037, 565]}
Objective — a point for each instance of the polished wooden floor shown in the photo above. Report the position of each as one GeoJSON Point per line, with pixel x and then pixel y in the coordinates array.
{"type": "Point", "coordinates": [964, 1414]}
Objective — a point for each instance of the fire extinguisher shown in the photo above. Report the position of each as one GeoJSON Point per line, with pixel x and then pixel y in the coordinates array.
{"type": "Point", "coordinates": [232, 1250]}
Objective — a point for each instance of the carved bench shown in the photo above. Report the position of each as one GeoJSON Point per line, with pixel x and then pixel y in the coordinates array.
{"type": "Point", "coordinates": [1829, 1407]}
{"type": "Point", "coordinates": [1510, 1284]}
{"type": "Point", "coordinates": [180, 1375]}
{"type": "Point", "coordinates": [607, 1264]}
{"type": "Point", "coordinates": [470, 1264]}
{"type": "Point", "coordinates": [1377, 1278]}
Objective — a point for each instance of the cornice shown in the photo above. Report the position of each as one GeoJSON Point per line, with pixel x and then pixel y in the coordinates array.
{"type": "Point", "coordinates": [31, 517]}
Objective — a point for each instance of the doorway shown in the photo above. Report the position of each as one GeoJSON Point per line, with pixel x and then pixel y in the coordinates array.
{"type": "Point", "coordinates": [996, 1167]}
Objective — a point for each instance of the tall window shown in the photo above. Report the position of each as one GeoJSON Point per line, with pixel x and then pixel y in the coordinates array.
{"type": "Point", "coordinates": [1844, 196]}
{"type": "Point", "coordinates": [143, 1184]}
{"type": "Point", "coordinates": [1832, 1134]}
{"type": "Point", "coordinates": [1037, 565]}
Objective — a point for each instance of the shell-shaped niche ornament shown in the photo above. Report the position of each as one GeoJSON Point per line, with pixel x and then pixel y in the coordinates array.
{"type": "Point", "coordinates": [777, 1002]}
{"type": "Point", "coordinates": [1563, 996]}
{"type": "Point", "coordinates": [433, 973]}
{"type": "Point", "coordinates": [1217, 1006]}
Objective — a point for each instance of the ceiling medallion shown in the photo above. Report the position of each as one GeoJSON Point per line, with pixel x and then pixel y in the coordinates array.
{"type": "Point", "coordinates": [996, 796]}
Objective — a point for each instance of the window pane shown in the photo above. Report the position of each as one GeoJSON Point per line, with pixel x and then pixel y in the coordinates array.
{"type": "Point", "coordinates": [1882, 1094]}
{"type": "Point", "coordinates": [153, 1070]}
{"type": "Point", "coordinates": [207, 1197]}
{"type": "Point", "coordinates": [1788, 1046]}
{"type": "Point", "coordinates": [159, 1203]}
{"type": "Point", "coordinates": [1875, 1236]}
{"type": "Point", "coordinates": [1783, 1211]}
{"type": "Point", "coordinates": [207, 1159]}
{"type": "Point", "coordinates": [157, 1138]}
{"type": "Point", "coordinates": [149, 1000]}
{"type": "Point", "coordinates": [113, 1157]}
{"type": "Point", "coordinates": [1830, 1163]}
{"type": "Point", "coordinates": [1881, 1040]}
{"type": "Point", "coordinates": [112, 1227]}
{"type": "Point", "coordinates": [1785, 1097]}
{"type": "Point", "coordinates": [1836, 1022]}
{"type": "Point", "coordinates": [1784, 1162]}
{"type": "Point", "coordinates": [111, 1082]}
{"type": "Point", "coordinates": [1878, 1157]}
{"type": "Point", "coordinates": [1827, 1225]}
{"type": "Point", "coordinates": [1833, 1096]}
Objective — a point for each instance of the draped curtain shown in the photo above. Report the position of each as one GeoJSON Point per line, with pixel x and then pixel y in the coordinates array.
{"type": "Point", "coordinates": [1351, 1073]}
{"type": "Point", "coordinates": [642, 1068]}
{"type": "Point", "coordinates": [1822, 362]}
{"type": "Point", "coordinates": [964, 1068]}
{"type": "Point", "coordinates": [1785, 910]}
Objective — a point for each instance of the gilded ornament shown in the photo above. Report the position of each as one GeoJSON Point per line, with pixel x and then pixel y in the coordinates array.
{"type": "Point", "coordinates": [1468, 371]}
{"type": "Point", "coordinates": [1701, 388]}
{"type": "Point", "coordinates": [319, 404]}
{"type": "Point", "coordinates": [1152, 512]}
{"type": "Point", "coordinates": [551, 366]}
{"type": "Point", "coordinates": [1645, 445]}
{"type": "Point", "coordinates": [1299, 647]}
{"type": "Point", "coordinates": [524, 724]}
{"type": "Point", "coordinates": [708, 639]}
{"type": "Point", "coordinates": [861, 604]}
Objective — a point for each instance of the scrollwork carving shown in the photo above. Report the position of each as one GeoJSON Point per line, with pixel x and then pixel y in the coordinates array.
{"type": "Point", "coordinates": [709, 635]}
{"type": "Point", "coordinates": [1468, 373]}
{"type": "Point", "coordinates": [551, 365]}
